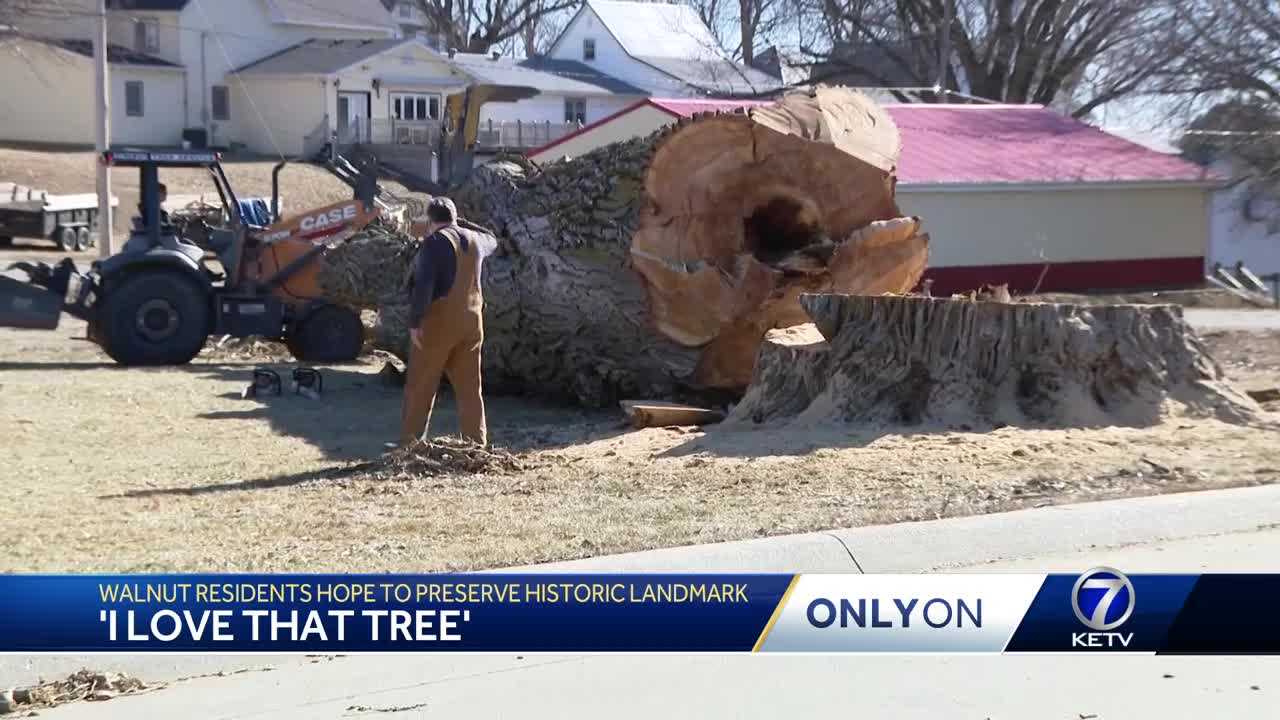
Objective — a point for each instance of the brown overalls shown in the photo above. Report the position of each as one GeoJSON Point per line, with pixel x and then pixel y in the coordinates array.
{"type": "Point", "coordinates": [452, 333]}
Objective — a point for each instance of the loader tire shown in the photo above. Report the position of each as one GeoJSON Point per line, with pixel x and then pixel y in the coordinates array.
{"type": "Point", "coordinates": [330, 334]}
{"type": "Point", "coordinates": [155, 317]}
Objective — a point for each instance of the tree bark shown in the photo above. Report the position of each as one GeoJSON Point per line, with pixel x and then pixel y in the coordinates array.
{"type": "Point", "coordinates": [895, 360]}
{"type": "Point", "coordinates": [654, 266]}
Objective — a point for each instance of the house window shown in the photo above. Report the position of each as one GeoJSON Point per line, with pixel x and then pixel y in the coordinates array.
{"type": "Point", "coordinates": [146, 36]}
{"type": "Point", "coordinates": [415, 106]}
{"type": "Point", "coordinates": [133, 98]}
{"type": "Point", "coordinates": [221, 102]}
{"type": "Point", "coordinates": [575, 110]}
{"type": "Point", "coordinates": [588, 49]}
{"type": "Point", "coordinates": [405, 10]}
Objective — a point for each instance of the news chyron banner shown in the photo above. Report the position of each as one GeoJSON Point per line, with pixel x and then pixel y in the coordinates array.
{"type": "Point", "coordinates": [1102, 610]}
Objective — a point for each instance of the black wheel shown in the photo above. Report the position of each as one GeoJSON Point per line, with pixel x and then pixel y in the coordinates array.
{"type": "Point", "coordinates": [330, 334]}
{"type": "Point", "coordinates": [155, 317]}
{"type": "Point", "coordinates": [66, 239]}
{"type": "Point", "coordinates": [82, 239]}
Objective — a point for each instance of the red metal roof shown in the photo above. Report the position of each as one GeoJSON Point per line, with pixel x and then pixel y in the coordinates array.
{"type": "Point", "coordinates": [995, 144]}
{"type": "Point", "coordinates": [1022, 144]}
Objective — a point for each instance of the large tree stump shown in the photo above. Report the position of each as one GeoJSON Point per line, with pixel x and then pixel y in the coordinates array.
{"type": "Point", "coordinates": [656, 265]}
{"type": "Point", "coordinates": [899, 360]}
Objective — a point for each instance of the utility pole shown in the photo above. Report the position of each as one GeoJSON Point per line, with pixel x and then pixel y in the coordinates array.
{"type": "Point", "coordinates": [944, 48]}
{"type": "Point", "coordinates": [102, 105]}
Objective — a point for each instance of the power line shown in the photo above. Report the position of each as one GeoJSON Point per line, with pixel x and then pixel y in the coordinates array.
{"type": "Point", "coordinates": [1234, 133]}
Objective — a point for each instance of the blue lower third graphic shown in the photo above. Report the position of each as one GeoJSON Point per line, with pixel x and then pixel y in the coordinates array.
{"type": "Point", "coordinates": [1102, 609]}
{"type": "Point", "coordinates": [310, 613]}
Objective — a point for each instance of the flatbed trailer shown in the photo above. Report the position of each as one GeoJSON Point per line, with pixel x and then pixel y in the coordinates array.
{"type": "Point", "coordinates": [71, 221]}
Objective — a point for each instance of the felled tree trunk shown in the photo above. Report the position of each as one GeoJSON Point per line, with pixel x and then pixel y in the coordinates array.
{"type": "Point", "coordinates": [656, 265]}
{"type": "Point", "coordinates": [959, 362]}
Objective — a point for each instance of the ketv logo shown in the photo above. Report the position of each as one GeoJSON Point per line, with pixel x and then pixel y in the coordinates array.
{"type": "Point", "coordinates": [1103, 600]}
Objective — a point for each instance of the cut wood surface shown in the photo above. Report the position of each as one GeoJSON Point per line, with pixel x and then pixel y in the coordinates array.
{"type": "Point", "coordinates": [893, 360]}
{"type": "Point", "coordinates": [653, 267]}
{"type": "Point", "coordinates": [652, 413]}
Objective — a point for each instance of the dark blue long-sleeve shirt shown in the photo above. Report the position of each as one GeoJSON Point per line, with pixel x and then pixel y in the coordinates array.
{"type": "Point", "coordinates": [436, 267]}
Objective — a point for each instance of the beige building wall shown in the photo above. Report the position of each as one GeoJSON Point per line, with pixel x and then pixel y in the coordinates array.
{"type": "Point", "coordinates": [50, 95]}
{"type": "Point", "coordinates": [1005, 227]}
{"type": "Point", "coordinates": [282, 112]}
{"type": "Point", "coordinates": [635, 123]}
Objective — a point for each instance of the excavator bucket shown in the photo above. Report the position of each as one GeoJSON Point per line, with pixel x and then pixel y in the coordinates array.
{"type": "Point", "coordinates": [49, 291]}
{"type": "Point", "coordinates": [23, 305]}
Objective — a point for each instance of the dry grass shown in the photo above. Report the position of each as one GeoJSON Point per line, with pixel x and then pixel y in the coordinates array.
{"type": "Point", "coordinates": [169, 470]}
{"type": "Point", "coordinates": [301, 186]}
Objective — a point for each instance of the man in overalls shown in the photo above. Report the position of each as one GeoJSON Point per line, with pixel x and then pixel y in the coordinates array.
{"type": "Point", "coordinates": [446, 324]}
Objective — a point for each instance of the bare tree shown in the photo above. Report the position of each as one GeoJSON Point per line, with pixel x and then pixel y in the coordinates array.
{"type": "Point", "coordinates": [741, 26]}
{"type": "Point", "coordinates": [14, 14]}
{"type": "Point", "coordinates": [1233, 49]}
{"type": "Point", "coordinates": [542, 30]}
{"type": "Point", "coordinates": [478, 25]}
{"type": "Point", "coordinates": [1042, 51]}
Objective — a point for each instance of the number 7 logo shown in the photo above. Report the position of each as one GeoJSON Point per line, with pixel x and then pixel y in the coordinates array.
{"type": "Point", "coordinates": [1112, 582]}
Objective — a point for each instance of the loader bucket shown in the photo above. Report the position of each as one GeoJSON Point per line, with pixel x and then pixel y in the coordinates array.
{"type": "Point", "coordinates": [23, 305]}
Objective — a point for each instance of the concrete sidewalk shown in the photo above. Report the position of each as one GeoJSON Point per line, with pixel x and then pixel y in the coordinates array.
{"type": "Point", "coordinates": [1222, 319]}
{"type": "Point", "coordinates": [1220, 530]}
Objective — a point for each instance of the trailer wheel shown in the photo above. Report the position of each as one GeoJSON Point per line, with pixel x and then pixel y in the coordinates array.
{"type": "Point", "coordinates": [82, 239]}
{"type": "Point", "coordinates": [67, 239]}
{"type": "Point", "coordinates": [330, 334]}
{"type": "Point", "coordinates": [155, 317]}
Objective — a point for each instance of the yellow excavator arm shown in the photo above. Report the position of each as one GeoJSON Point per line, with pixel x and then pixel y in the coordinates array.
{"type": "Point", "coordinates": [463, 113]}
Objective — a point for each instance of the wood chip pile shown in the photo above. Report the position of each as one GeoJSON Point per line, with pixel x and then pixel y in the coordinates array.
{"type": "Point", "coordinates": [81, 685]}
{"type": "Point", "coordinates": [442, 456]}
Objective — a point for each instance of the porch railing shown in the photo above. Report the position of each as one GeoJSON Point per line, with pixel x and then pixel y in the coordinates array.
{"type": "Point", "coordinates": [504, 134]}
{"type": "Point", "coordinates": [521, 133]}
{"type": "Point", "coordinates": [356, 132]}
{"type": "Point", "coordinates": [389, 131]}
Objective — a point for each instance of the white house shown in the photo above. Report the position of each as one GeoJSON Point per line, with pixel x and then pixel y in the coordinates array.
{"type": "Point", "coordinates": [393, 92]}
{"type": "Point", "coordinates": [279, 76]}
{"type": "Point", "coordinates": [204, 39]}
{"type": "Point", "coordinates": [367, 91]}
{"type": "Point", "coordinates": [47, 86]}
{"type": "Point", "coordinates": [664, 49]}
{"type": "Point", "coordinates": [408, 15]}
{"type": "Point", "coordinates": [570, 95]}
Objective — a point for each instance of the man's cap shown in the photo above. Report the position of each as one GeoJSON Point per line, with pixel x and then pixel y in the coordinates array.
{"type": "Point", "coordinates": [442, 206]}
